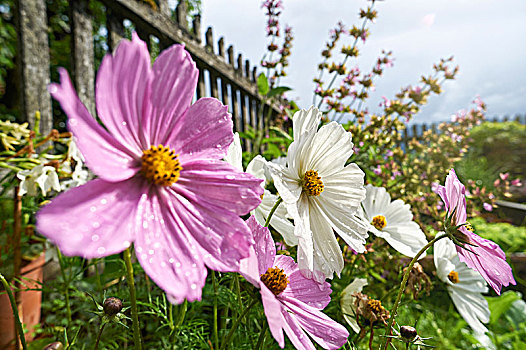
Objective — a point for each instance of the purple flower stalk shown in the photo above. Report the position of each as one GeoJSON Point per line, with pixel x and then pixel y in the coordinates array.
{"type": "Point", "coordinates": [292, 303]}
{"type": "Point", "coordinates": [161, 181]}
{"type": "Point", "coordinates": [478, 253]}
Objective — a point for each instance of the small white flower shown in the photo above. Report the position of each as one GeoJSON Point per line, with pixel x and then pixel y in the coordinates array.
{"type": "Point", "coordinates": [347, 302]}
{"type": "Point", "coordinates": [80, 175]}
{"type": "Point", "coordinates": [257, 167]}
{"type": "Point", "coordinates": [74, 152]}
{"type": "Point", "coordinates": [392, 221]}
{"type": "Point", "coordinates": [43, 177]}
{"type": "Point", "coordinates": [465, 286]}
{"type": "Point", "coordinates": [321, 193]}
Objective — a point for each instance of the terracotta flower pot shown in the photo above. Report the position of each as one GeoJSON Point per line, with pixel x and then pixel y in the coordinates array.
{"type": "Point", "coordinates": [28, 308]}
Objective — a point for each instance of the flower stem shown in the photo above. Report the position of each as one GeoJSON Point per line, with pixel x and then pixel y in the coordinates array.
{"type": "Point", "coordinates": [215, 332]}
{"type": "Point", "coordinates": [402, 287]}
{"type": "Point", "coordinates": [99, 336]}
{"type": "Point", "coordinates": [181, 314]}
{"type": "Point", "coordinates": [227, 338]}
{"type": "Point", "coordinates": [278, 202]}
{"type": "Point", "coordinates": [66, 285]}
{"type": "Point", "coordinates": [15, 311]}
{"type": "Point", "coordinates": [262, 336]}
{"type": "Point", "coordinates": [133, 297]}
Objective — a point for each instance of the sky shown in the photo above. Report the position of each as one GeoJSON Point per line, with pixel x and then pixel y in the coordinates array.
{"type": "Point", "coordinates": [486, 37]}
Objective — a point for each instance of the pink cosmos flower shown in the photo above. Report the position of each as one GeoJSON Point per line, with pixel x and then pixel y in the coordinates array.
{"type": "Point", "coordinates": [161, 181]}
{"type": "Point", "coordinates": [292, 303]}
{"type": "Point", "coordinates": [478, 253]}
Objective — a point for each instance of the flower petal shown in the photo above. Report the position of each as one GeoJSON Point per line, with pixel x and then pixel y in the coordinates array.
{"type": "Point", "coordinates": [329, 150]}
{"type": "Point", "coordinates": [204, 131]}
{"type": "Point", "coordinates": [219, 184]}
{"type": "Point", "coordinates": [279, 220]}
{"type": "Point", "coordinates": [105, 156]}
{"type": "Point", "coordinates": [122, 91]}
{"type": "Point", "coordinates": [264, 245]}
{"type": "Point", "coordinates": [375, 202]}
{"type": "Point", "coordinates": [473, 307]}
{"type": "Point", "coordinates": [347, 302]}
{"type": "Point", "coordinates": [221, 236]}
{"type": "Point", "coordinates": [325, 331]}
{"type": "Point", "coordinates": [305, 121]}
{"type": "Point", "coordinates": [93, 220]}
{"type": "Point", "coordinates": [327, 254]}
{"type": "Point", "coordinates": [295, 332]}
{"type": "Point", "coordinates": [350, 228]}
{"type": "Point", "coordinates": [489, 260]}
{"type": "Point", "coordinates": [166, 252]}
{"type": "Point", "coordinates": [406, 238]}
{"type": "Point", "coordinates": [301, 288]}
{"type": "Point", "coordinates": [272, 308]}
{"type": "Point", "coordinates": [286, 182]}
{"type": "Point", "coordinates": [234, 155]}
{"type": "Point", "coordinates": [456, 194]}
{"type": "Point", "coordinates": [172, 89]}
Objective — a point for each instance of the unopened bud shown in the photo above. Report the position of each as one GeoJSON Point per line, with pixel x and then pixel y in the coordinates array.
{"type": "Point", "coordinates": [408, 333]}
{"type": "Point", "coordinates": [54, 346]}
{"type": "Point", "coordinates": [112, 306]}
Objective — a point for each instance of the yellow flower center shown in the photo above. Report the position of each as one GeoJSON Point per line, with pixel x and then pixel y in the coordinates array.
{"type": "Point", "coordinates": [379, 222]}
{"type": "Point", "coordinates": [375, 305]}
{"type": "Point", "coordinates": [160, 165]}
{"type": "Point", "coordinates": [312, 183]}
{"type": "Point", "coordinates": [275, 280]}
{"type": "Point", "coordinates": [453, 276]}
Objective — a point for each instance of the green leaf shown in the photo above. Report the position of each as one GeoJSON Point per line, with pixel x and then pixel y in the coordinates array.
{"type": "Point", "coordinates": [262, 84]}
{"type": "Point", "coordinates": [278, 91]}
{"type": "Point", "coordinates": [499, 305]}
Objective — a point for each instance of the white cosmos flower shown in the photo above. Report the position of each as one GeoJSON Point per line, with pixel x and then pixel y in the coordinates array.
{"type": "Point", "coordinates": [321, 193]}
{"type": "Point", "coordinates": [392, 221]}
{"type": "Point", "coordinates": [43, 177]}
{"type": "Point", "coordinates": [465, 286]}
{"type": "Point", "coordinates": [257, 167]}
{"type": "Point", "coordinates": [347, 302]}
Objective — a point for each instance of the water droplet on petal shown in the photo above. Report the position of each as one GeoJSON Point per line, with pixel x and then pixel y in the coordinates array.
{"type": "Point", "coordinates": [193, 286]}
{"type": "Point", "coordinates": [101, 250]}
{"type": "Point", "coordinates": [95, 238]}
{"type": "Point", "coordinates": [124, 123]}
{"type": "Point", "coordinates": [93, 209]}
{"type": "Point", "coordinates": [230, 177]}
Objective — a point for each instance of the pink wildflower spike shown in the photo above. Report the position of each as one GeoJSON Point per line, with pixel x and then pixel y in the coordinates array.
{"type": "Point", "coordinates": [161, 182]}
{"type": "Point", "coordinates": [478, 253]}
{"type": "Point", "coordinates": [292, 303]}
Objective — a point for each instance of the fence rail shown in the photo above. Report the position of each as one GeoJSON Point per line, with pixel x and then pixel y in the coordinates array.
{"type": "Point", "coordinates": [221, 74]}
